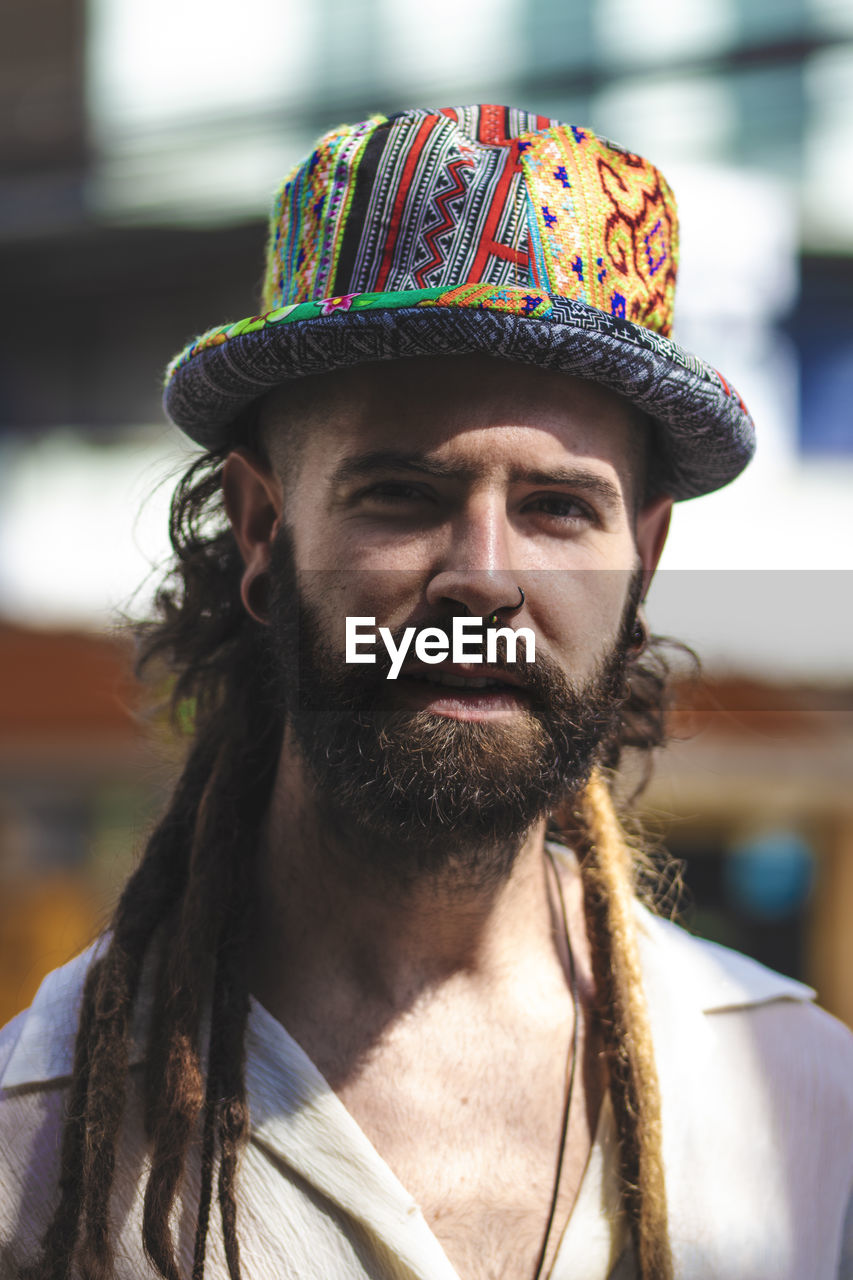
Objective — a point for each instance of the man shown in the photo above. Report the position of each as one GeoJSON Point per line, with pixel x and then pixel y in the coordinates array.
{"type": "Point", "coordinates": [381, 988]}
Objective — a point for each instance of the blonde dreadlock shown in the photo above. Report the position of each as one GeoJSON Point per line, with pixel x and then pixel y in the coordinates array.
{"type": "Point", "coordinates": [608, 872]}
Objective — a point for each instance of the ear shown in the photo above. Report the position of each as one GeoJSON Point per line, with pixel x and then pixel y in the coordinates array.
{"type": "Point", "coordinates": [253, 501]}
{"type": "Point", "coordinates": [651, 530]}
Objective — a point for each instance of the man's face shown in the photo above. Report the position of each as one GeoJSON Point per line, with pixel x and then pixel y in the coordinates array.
{"type": "Point", "coordinates": [428, 489]}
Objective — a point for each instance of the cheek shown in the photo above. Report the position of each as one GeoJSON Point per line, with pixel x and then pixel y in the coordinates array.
{"type": "Point", "coordinates": [579, 614]}
{"type": "Point", "coordinates": [390, 596]}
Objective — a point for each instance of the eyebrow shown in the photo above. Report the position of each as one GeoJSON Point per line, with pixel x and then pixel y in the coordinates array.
{"type": "Point", "coordinates": [365, 465]}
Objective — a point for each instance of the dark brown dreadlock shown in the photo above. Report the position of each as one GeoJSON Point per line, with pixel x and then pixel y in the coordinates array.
{"type": "Point", "coordinates": [191, 894]}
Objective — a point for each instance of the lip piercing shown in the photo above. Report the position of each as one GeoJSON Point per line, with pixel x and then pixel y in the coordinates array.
{"type": "Point", "coordinates": [507, 608]}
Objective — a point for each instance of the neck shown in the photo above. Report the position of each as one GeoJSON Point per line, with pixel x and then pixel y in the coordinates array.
{"type": "Point", "coordinates": [331, 928]}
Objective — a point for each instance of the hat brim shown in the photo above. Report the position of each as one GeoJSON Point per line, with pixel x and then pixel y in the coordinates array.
{"type": "Point", "coordinates": [705, 437]}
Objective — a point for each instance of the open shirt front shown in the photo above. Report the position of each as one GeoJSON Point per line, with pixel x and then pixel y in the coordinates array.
{"type": "Point", "coordinates": [757, 1101]}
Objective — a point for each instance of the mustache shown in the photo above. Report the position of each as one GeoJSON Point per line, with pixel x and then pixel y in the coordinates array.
{"type": "Point", "coordinates": [444, 626]}
{"type": "Point", "coordinates": [542, 680]}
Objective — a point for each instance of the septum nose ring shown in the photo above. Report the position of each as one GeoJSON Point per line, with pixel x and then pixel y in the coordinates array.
{"type": "Point", "coordinates": [506, 608]}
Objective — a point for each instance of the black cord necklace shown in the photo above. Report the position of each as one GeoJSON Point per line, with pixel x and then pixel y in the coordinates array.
{"type": "Point", "coordinates": [570, 1072]}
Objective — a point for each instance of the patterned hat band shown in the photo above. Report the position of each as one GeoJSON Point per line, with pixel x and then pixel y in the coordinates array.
{"type": "Point", "coordinates": [473, 229]}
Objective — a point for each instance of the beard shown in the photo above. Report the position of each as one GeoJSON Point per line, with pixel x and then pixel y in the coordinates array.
{"type": "Point", "coordinates": [412, 793]}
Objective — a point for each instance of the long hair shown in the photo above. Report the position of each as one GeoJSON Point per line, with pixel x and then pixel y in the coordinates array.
{"type": "Point", "coordinates": [191, 895]}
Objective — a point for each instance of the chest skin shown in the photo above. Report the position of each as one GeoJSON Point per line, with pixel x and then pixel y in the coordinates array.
{"type": "Point", "coordinates": [468, 1116]}
{"type": "Point", "coordinates": [463, 1095]}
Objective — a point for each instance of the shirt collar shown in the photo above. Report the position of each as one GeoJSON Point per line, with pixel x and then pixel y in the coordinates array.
{"type": "Point", "coordinates": [693, 973]}
{"type": "Point", "coordinates": [680, 972]}
{"type": "Point", "coordinates": [44, 1050]}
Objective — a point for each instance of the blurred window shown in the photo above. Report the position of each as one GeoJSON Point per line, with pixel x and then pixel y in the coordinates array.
{"type": "Point", "coordinates": [663, 30]}
{"type": "Point", "coordinates": [142, 72]}
{"type": "Point", "coordinates": [823, 331]}
{"type": "Point", "coordinates": [752, 899]}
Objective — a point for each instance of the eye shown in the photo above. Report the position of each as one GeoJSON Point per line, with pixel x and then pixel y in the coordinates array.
{"type": "Point", "coordinates": [564, 508]}
{"type": "Point", "coordinates": [391, 492]}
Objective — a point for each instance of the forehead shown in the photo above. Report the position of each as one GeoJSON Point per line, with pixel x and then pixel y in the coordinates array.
{"type": "Point", "coordinates": [476, 405]}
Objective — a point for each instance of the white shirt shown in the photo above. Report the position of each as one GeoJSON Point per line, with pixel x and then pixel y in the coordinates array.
{"type": "Point", "coordinates": [757, 1089]}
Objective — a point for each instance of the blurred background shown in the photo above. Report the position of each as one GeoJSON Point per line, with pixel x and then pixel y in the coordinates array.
{"type": "Point", "coordinates": [139, 147]}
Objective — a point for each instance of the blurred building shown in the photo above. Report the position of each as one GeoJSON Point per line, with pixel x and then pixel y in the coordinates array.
{"type": "Point", "coordinates": [78, 782]}
{"type": "Point", "coordinates": [139, 146]}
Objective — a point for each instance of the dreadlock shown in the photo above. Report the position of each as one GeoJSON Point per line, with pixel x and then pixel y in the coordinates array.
{"type": "Point", "coordinates": [188, 904]}
{"type": "Point", "coordinates": [611, 874]}
{"type": "Point", "coordinates": [191, 896]}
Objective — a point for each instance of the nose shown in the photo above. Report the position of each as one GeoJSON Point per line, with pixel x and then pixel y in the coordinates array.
{"type": "Point", "coordinates": [475, 573]}
{"type": "Point", "coordinates": [479, 593]}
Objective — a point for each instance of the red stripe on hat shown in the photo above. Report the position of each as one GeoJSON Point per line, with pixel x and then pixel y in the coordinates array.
{"type": "Point", "coordinates": [534, 273]}
{"type": "Point", "coordinates": [487, 242]}
{"type": "Point", "coordinates": [493, 126]}
{"type": "Point", "coordinates": [400, 201]}
{"type": "Point", "coordinates": [731, 391]}
{"type": "Point", "coordinates": [519, 256]}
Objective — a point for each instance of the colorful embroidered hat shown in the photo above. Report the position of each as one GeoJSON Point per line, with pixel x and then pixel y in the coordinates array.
{"type": "Point", "coordinates": [474, 229]}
